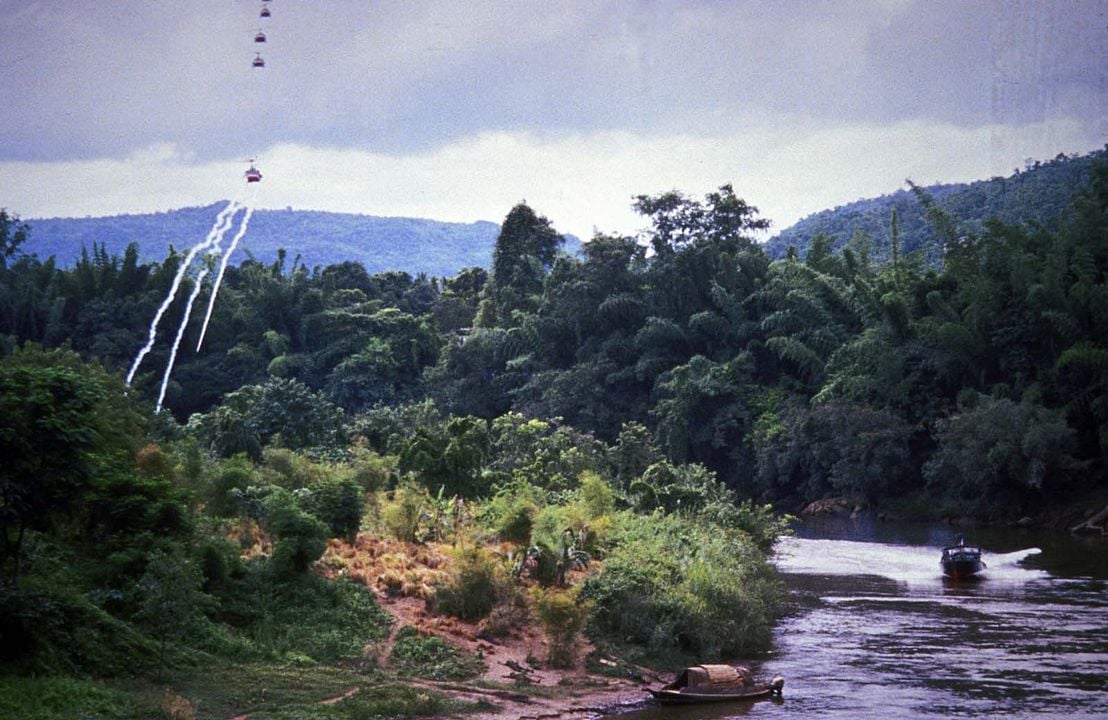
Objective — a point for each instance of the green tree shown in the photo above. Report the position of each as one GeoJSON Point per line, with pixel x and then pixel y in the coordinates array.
{"type": "Point", "coordinates": [63, 426]}
{"type": "Point", "coordinates": [449, 458]}
{"type": "Point", "coordinates": [301, 537]}
{"type": "Point", "coordinates": [523, 254]}
{"type": "Point", "coordinates": [698, 245]}
{"type": "Point", "coordinates": [546, 454]}
{"type": "Point", "coordinates": [172, 605]}
{"type": "Point", "coordinates": [703, 415]}
{"type": "Point", "coordinates": [13, 233]}
{"type": "Point", "coordinates": [633, 453]}
{"type": "Point", "coordinates": [283, 411]}
{"type": "Point", "coordinates": [853, 450]}
{"type": "Point", "coordinates": [998, 456]}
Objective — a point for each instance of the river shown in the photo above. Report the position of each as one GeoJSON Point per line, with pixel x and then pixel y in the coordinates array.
{"type": "Point", "coordinates": [872, 630]}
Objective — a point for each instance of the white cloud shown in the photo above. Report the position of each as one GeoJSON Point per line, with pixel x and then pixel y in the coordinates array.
{"type": "Point", "coordinates": [579, 181]}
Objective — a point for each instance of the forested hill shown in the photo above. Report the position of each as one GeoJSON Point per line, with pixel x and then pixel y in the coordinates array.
{"type": "Point", "coordinates": [1037, 194]}
{"type": "Point", "coordinates": [413, 245]}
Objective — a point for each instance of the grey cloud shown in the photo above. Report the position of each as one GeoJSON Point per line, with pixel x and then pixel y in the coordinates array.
{"type": "Point", "coordinates": [96, 79]}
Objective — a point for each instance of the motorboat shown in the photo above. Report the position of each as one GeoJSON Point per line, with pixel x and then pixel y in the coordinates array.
{"type": "Point", "coordinates": [961, 561]}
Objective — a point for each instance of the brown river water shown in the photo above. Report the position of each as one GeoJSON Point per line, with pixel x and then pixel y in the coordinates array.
{"type": "Point", "coordinates": [873, 630]}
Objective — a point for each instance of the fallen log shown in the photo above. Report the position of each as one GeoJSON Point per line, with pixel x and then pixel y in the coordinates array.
{"type": "Point", "coordinates": [1093, 524]}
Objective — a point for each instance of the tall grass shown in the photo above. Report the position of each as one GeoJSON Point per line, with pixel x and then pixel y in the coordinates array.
{"type": "Point", "coordinates": [63, 698]}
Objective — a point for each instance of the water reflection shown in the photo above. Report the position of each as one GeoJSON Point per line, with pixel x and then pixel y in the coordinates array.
{"type": "Point", "coordinates": [873, 630]}
{"type": "Point", "coordinates": [715, 711]}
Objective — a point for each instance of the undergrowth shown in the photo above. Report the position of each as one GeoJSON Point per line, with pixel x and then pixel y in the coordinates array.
{"type": "Point", "coordinates": [375, 703]}
{"type": "Point", "coordinates": [65, 698]}
{"type": "Point", "coordinates": [429, 656]}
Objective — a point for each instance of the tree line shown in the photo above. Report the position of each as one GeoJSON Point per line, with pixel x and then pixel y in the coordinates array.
{"type": "Point", "coordinates": [1037, 194]}
{"type": "Point", "coordinates": [973, 388]}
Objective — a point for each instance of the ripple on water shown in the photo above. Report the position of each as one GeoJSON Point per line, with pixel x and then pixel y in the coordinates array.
{"type": "Point", "coordinates": [1020, 643]}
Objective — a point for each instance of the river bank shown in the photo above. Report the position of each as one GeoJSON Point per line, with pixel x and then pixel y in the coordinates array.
{"type": "Point", "coordinates": [850, 580]}
{"type": "Point", "coordinates": [514, 683]}
{"type": "Point", "coordinates": [1086, 515]}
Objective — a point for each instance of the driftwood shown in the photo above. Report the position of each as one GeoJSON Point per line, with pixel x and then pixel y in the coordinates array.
{"type": "Point", "coordinates": [1093, 524]}
{"type": "Point", "coordinates": [519, 673]}
{"type": "Point", "coordinates": [827, 506]}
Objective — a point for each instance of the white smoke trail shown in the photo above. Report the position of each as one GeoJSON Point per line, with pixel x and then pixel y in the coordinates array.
{"type": "Point", "coordinates": [216, 239]}
{"type": "Point", "coordinates": [218, 229]}
{"type": "Point", "coordinates": [177, 341]}
{"type": "Point", "coordinates": [222, 269]}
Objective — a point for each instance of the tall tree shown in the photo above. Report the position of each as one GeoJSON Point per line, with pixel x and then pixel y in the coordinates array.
{"type": "Point", "coordinates": [524, 253]}
{"type": "Point", "coordinates": [13, 233]}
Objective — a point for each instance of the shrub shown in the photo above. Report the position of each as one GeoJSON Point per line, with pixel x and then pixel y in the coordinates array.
{"type": "Point", "coordinates": [759, 522]}
{"type": "Point", "coordinates": [431, 657]}
{"type": "Point", "coordinates": [48, 627]}
{"type": "Point", "coordinates": [402, 512]}
{"type": "Point", "coordinates": [595, 495]}
{"type": "Point", "coordinates": [339, 504]}
{"type": "Point", "coordinates": [511, 511]}
{"type": "Point", "coordinates": [304, 616]}
{"type": "Point", "coordinates": [152, 461]}
{"type": "Point", "coordinates": [176, 707]}
{"type": "Point", "coordinates": [548, 527]}
{"type": "Point", "coordinates": [510, 614]}
{"type": "Point", "coordinates": [516, 524]}
{"type": "Point", "coordinates": [678, 584]}
{"type": "Point", "coordinates": [236, 474]}
{"type": "Point", "coordinates": [55, 698]}
{"type": "Point", "coordinates": [217, 559]}
{"type": "Point", "coordinates": [475, 588]}
{"type": "Point", "coordinates": [289, 470]}
{"type": "Point", "coordinates": [372, 471]}
{"type": "Point", "coordinates": [562, 616]}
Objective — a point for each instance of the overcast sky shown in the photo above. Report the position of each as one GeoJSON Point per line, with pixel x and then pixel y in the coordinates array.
{"type": "Point", "coordinates": [458, 110]}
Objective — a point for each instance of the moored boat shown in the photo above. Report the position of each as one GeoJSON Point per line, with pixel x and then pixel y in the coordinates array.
{"type": "Point", "coordinates": [717, 683]}
{"type": "Point", "coordinates": [961, 561]}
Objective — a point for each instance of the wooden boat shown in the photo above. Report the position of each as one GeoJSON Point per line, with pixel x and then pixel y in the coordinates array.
{"type": "Point", "coordinates": [716, 683]}
{"type": "Point", "coordinates": [961, 561]}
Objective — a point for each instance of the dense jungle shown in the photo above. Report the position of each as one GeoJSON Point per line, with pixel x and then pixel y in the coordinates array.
{"type": "Point", "coordinates": [595, 451]}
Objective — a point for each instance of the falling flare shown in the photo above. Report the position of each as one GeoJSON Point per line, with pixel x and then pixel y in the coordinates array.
{"type": "Point", "coordinates": [222, 269]}
{"type": "Point", "coordinates": [214, 242]}
{"type": "Point", "coordinates": [218, 229]}
{"type": "Point", "coordinates": [177, 341]}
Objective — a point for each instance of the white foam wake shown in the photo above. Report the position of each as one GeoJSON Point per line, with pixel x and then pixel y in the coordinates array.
{"type": "Point", "coordinates": [911, 564]}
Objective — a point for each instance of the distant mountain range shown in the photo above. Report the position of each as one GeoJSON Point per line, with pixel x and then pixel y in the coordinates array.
{"type": "Point", "coordinates": [319, 238]}
{"type": "Point", "coordinates": [1037, 194]}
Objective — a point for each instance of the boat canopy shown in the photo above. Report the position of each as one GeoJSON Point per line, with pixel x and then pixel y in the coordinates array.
{"type": "Point", "coordinates": [714, 676]}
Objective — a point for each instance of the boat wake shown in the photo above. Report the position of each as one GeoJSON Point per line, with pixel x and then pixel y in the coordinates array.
{"type": "Point", "coordinates": [912, 564]}
{"type": "Point", "coordinates": [1012, 558]}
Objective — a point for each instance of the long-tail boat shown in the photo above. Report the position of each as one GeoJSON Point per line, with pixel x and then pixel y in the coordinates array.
{"type": "Point", "coordinates": [717, 683]}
